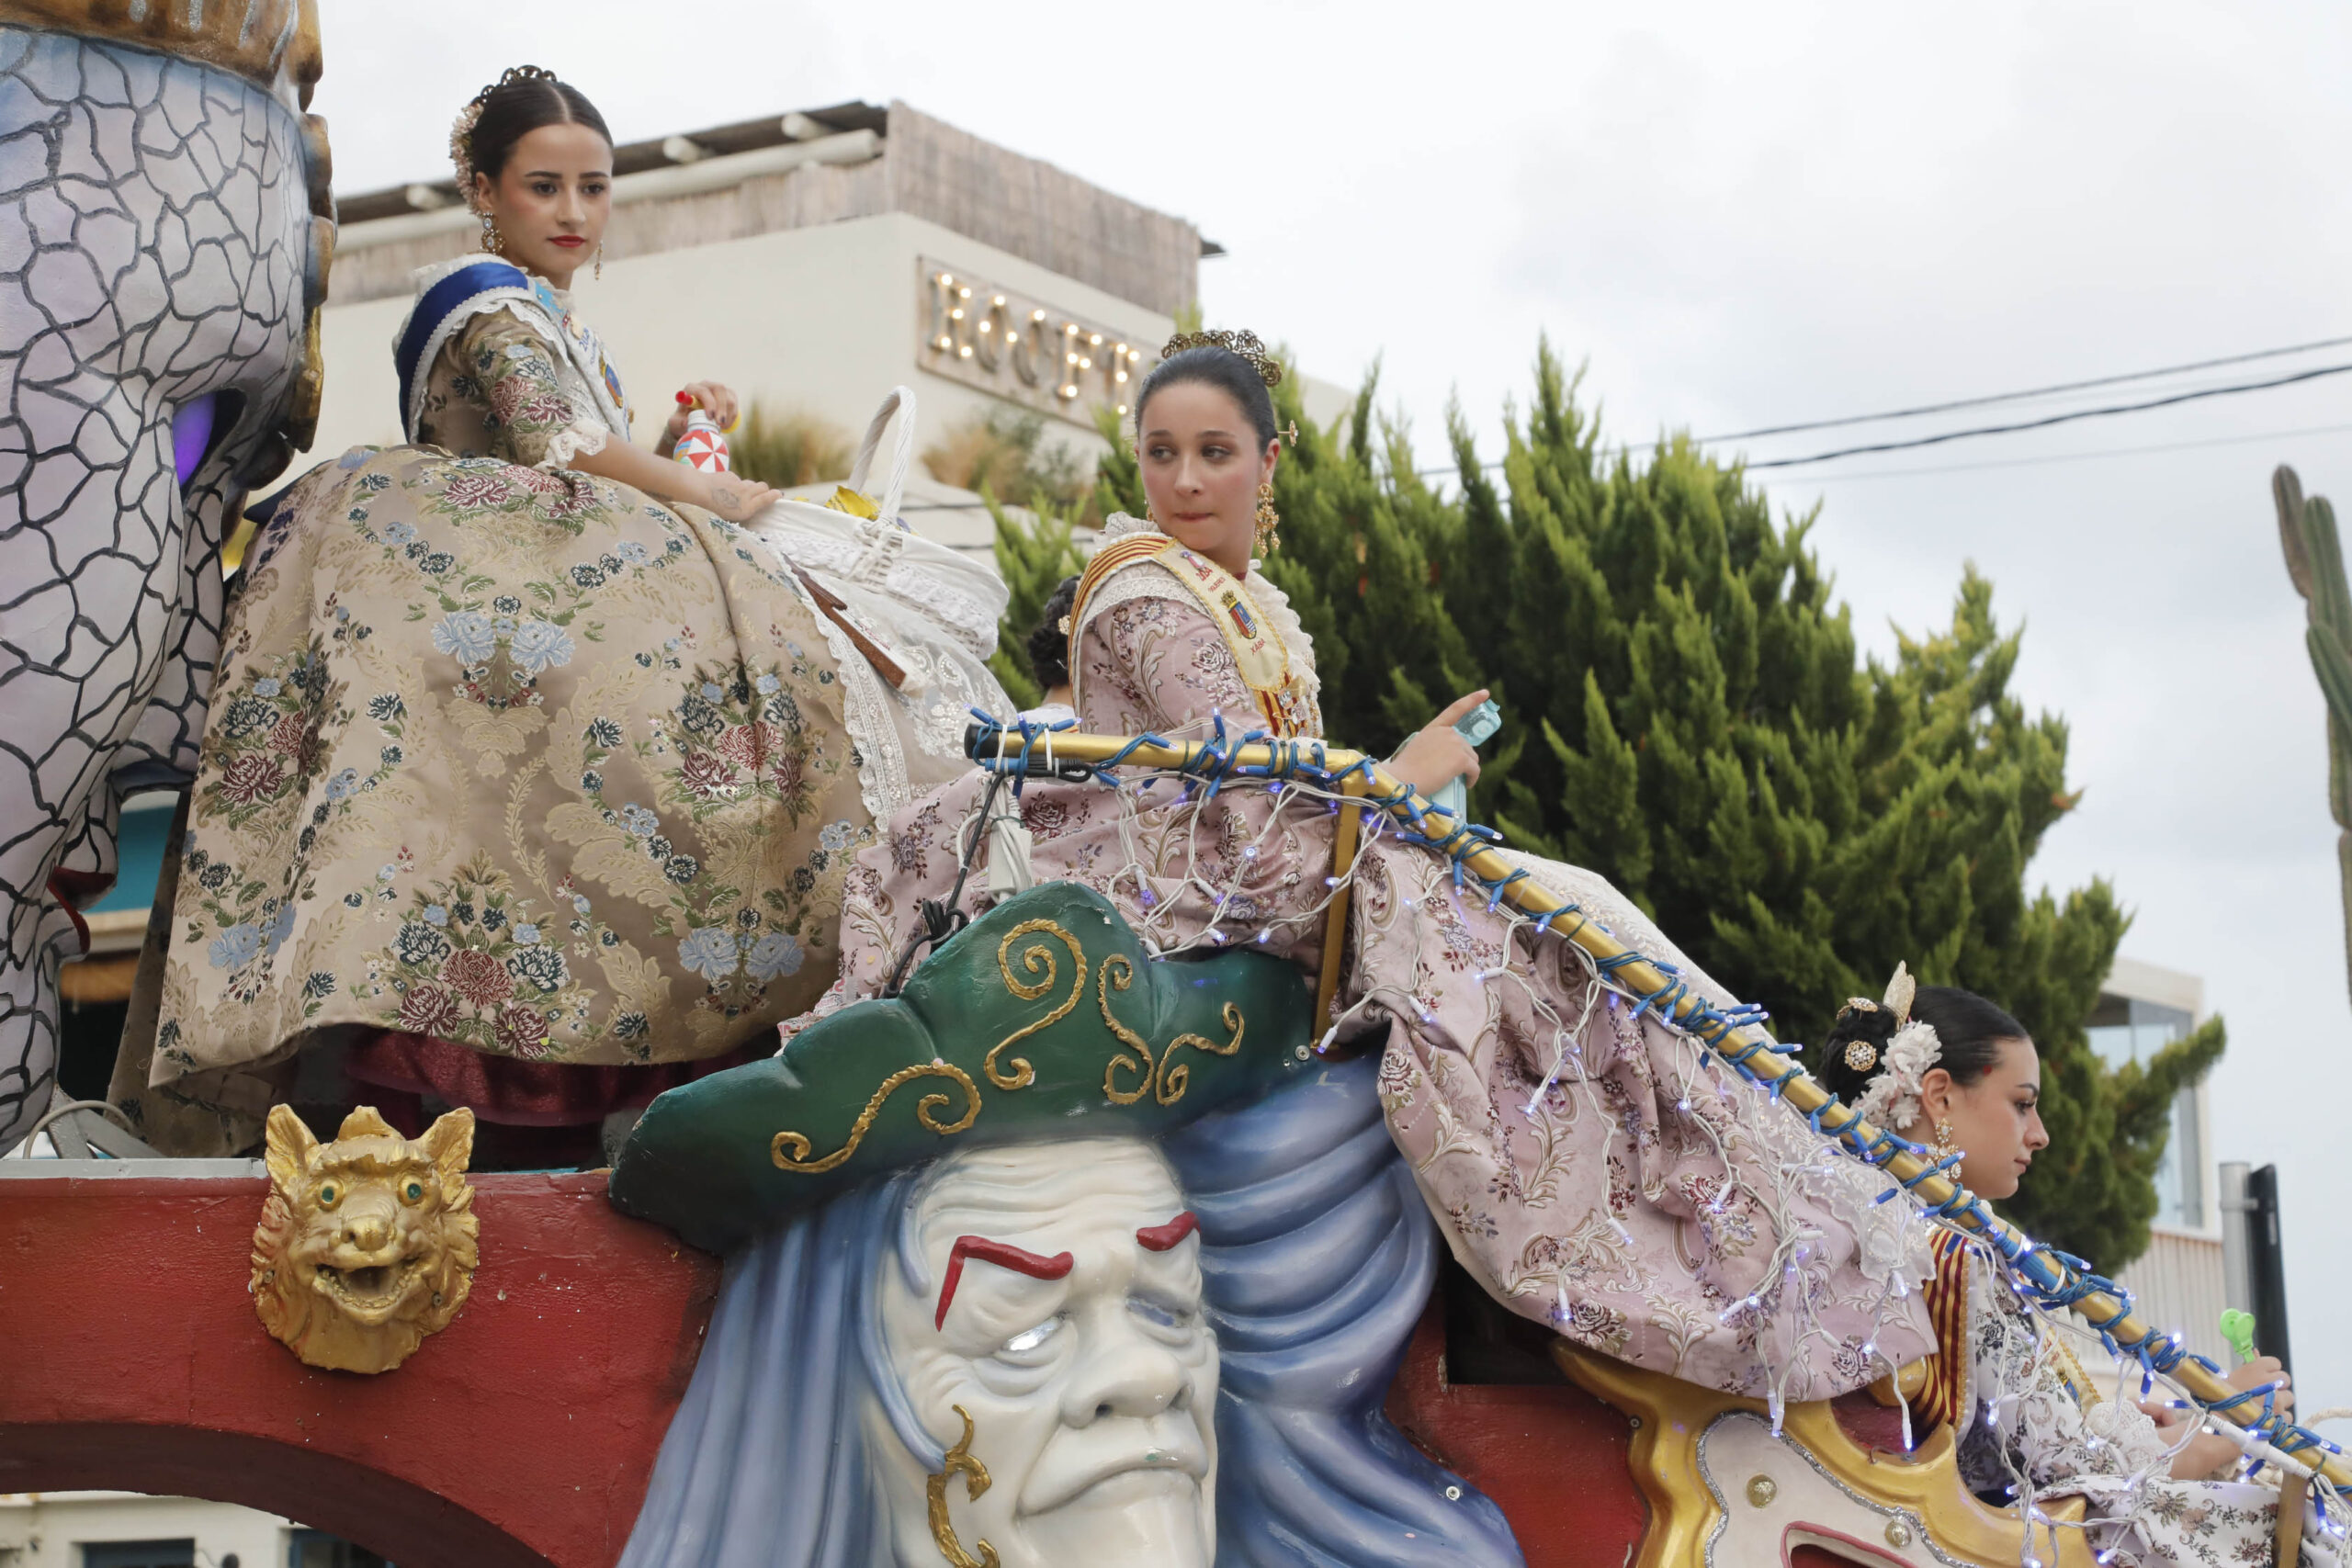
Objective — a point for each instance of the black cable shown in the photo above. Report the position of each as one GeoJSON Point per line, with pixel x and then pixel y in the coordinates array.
{"type": "Point", "coordinates": [2046, 458]}
{"type": "Point", "coordinates": [940, 918]}
{"type": "Point", "coordinates": [2048, 420]}
{"type": "Point", "coordinates": [2030, 392]}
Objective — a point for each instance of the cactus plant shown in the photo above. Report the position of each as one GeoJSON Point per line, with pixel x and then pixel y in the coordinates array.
{"type": "Point", "coordinates": [2315, 563]}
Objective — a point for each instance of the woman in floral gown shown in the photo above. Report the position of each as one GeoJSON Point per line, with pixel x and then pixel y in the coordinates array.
{"type": "Point", "coordinates": [1949, 1070]}
{"type": "Point", "coordinates": [1588, 1166]}
{"type": "Point", "coordinates": [530, 781]}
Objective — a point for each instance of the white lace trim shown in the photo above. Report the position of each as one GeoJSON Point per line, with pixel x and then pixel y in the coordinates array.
{"type": "Point", "coordinates": [906, 745]}
{"type": "Point", "coordinates": [960, 612]}
{"type": "Point", "coordinates": [573, 441]}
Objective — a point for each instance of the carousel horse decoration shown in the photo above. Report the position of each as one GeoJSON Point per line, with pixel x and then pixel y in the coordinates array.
{"type": "Point", "coordinates": [1064, 1256]}
{"type": "Point", "coordinates": [164, 240]}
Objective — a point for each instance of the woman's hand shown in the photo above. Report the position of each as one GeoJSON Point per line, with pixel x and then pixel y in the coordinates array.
{"type": "Point", "coordinates": [2206, 1456]}
{"type": "Point", "coordinates": [737, 499]}
{"type": "Point", "coordinates": [1437, 754]}
{"type": "Point", "coordinates": [714, 399]}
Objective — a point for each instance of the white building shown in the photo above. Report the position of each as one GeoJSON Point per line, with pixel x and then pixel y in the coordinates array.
{"type": "Point", "coordinates": [2178, 1281]}
{"type": "Point", "coordinates": [126, 1529]}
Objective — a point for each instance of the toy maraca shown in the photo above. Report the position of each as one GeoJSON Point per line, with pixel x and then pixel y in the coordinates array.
{"type": "Point", "coordinates": [703, 446]}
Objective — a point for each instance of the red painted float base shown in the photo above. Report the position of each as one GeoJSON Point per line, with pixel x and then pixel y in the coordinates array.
{"type": "Point", "coordinates": [524, 1434]}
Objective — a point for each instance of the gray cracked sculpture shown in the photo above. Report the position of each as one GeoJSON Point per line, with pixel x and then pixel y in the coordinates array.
{"type": "Point", "coordinates": [165, 230]}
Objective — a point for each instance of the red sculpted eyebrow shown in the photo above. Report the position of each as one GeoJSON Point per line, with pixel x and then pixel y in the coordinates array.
{"type": "Point", "coordinates": [1004, 1255]}
{"type": "Point", "coordinates": [1161, 1238]}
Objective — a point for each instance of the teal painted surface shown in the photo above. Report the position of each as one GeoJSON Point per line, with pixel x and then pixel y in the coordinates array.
{"type": "Point", "coordinates": [140, 845]}
{"type": "Point", "coordinates": [700, 1161]}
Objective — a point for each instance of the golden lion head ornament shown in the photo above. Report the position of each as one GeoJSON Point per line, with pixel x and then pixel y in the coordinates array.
{"type": "Point", "coordinates": [368, 1244]}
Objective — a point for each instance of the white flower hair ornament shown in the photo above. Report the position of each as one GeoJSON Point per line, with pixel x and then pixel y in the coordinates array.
{"type": "Point", "coordinates": [1891, 1101]}
{"type": "Point", "coordinates": [461, 154]}
{"type": "Point", "coordinates": [461, 132]}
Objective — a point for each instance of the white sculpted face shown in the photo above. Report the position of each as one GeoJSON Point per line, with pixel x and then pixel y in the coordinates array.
{"type": "Point", "coordinates": [1063, 1316]}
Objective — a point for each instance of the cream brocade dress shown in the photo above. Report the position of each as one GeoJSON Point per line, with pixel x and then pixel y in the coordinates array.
{"type": "Point", "coordinates": [1590, 1194]}
{"type": "Point", "coordinates": [509, 756]}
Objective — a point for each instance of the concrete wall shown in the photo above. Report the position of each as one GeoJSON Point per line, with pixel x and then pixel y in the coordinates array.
{"type": "Point", "coordinates": [48, 1530]}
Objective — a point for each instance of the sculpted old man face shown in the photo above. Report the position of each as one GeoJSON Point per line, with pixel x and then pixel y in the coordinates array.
{"type": "Point", "coordinates": [1057, 1305]}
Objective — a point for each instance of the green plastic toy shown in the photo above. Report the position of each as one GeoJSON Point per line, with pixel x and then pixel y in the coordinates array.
{"type": "Point", "coordinates": [2237, 1327]}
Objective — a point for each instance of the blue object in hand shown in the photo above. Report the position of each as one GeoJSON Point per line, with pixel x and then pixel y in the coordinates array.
{"type": "Point", "coordinates": [1477, 726]}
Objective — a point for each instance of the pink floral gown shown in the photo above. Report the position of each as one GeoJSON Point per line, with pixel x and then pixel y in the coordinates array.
{"type": "Point", "coordinates": [1628, 1193]}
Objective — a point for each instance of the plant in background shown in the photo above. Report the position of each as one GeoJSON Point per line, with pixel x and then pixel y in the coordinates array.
{"type": "Point", "coordinates": [784, 450]}
{"type": "Point", "coordinates": [1034, 557]}
{"type": "Point", "coordinates": [1005, 453]}
{"type": "Point", "coordinates": [2315, 566]}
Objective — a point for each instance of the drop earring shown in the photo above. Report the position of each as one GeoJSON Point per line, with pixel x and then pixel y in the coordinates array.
{"type": "Point", "coordinates": [1943, 1139]}
{"type": "Point", "coordinates": [1266, 543]}
{"type": "Point", "coordinates": [492, 241]}
{"type": "Point", "coordinates": [600, 261]}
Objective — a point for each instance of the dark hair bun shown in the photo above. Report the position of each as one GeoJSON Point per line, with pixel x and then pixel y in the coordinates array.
{"type": "Point", "coordinates": [1860, 1036]}
{"type": "Point", "coordinates": [1048, 644]}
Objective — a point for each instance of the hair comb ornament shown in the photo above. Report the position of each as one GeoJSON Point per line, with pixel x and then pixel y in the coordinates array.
{"type": "Point", "coordinates": [461, 130]}
{"type": "Point", "coordinates": [1245, 344]}
{"type": "Point", "coordinates": [1861, 1054]}
{"type": "Point", "coordinates": [1892, 1098]}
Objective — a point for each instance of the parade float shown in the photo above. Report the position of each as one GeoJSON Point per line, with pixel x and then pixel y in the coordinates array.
{"type": "Point", "coordinates": [1063, 1247]}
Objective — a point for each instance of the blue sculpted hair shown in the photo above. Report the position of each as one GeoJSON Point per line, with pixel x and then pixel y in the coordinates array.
{"type": "Point", "coordinates": [1317, 1256]}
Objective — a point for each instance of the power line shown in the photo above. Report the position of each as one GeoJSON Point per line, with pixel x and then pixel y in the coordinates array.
{"type": "Point", "coordinates": [2048, 420]}
{"type": "Point", "coordinates": [2030, 392]}
{"type": "Point", "coordinates": [2069, 456]}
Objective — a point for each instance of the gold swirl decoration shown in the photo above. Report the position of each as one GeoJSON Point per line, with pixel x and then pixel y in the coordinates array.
{"type": "Point", "coordinates": [1138, 1057]}
{"type": "Point", "coordinates": [1150, 1069]}
{"type": "Point", "coordinates": [1037, 959]}
{"type": "Point", "coordinates": [1155, 1075]}
{"type": "Point", "coordinates": [959, 1461]}
{"type": "Point", "coordinates": [1174, 1080]}
{"type": "Point", "coordinates": [789, 1150]}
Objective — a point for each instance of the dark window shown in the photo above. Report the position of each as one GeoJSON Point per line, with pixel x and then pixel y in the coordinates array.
{"type": "Point", "coordinates": [139, 1554]}
{"type": "Point", "coordinates": [316, 1549]}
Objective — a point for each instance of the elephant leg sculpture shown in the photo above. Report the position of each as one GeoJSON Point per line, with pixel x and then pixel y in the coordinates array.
{"type": "Point", "coordinates": [164, 232]}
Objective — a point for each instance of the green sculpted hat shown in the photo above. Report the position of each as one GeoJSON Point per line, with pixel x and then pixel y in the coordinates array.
{"type": "Point", "coordinates": [1043, 1018]}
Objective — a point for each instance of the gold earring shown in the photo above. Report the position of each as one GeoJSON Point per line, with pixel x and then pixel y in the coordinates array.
{"type": "Point", "coordinates": [600, 261]}
{"type": "Point", "coordinates": [1943, 1139]}
{"type": "Point", "coordinates": [1266, 544]}
{"type": "Point", "coordinates": [492, 240]}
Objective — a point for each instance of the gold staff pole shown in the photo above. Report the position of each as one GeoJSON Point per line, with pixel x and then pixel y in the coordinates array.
{"type": "Point", "coordinates": [1290, 759]}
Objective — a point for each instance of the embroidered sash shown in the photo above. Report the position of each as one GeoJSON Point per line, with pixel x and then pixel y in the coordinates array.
{"type": "Point", "coordinates": [1259, 652]}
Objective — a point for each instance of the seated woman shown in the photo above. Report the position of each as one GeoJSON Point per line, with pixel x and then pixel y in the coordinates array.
{"type": "Point", "coordinates": [1946, 1069]}
{"type": "Point", "coordinates": [530, 776]}
{"type": "Point", "coordinates": [1591, 1168]}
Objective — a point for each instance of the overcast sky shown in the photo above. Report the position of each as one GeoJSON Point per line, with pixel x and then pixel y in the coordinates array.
{"type": "Point", "coordinates": [1738, 216]}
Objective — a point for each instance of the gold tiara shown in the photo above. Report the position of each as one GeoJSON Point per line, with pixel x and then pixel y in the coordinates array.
{"type": "Point", "coordinates": [1244, 343]}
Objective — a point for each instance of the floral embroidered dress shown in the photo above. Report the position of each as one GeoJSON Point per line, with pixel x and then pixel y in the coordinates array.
{"type": "Point", "coordinates": [505, 761]}
{"type": "Point", "coordinates": [2033, 1423]}
{"type": "Point", "coordinates": [1601, 1178]}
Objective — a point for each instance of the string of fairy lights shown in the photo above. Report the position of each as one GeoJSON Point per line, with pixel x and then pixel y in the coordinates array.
{"type": "Point", "coordinates": [1163, 822]}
